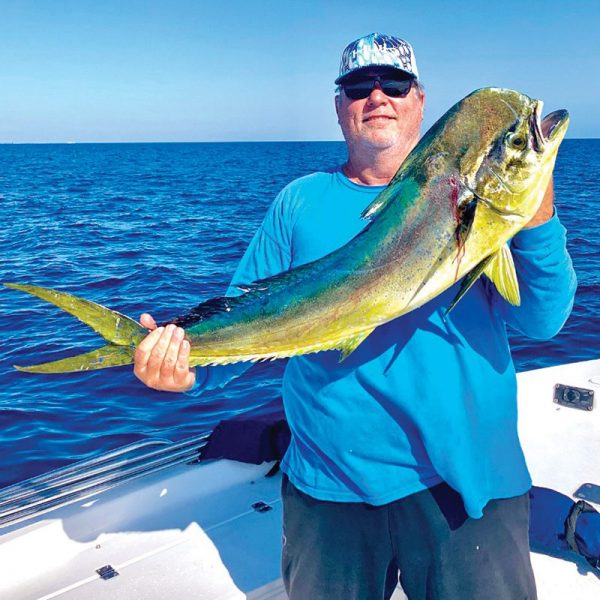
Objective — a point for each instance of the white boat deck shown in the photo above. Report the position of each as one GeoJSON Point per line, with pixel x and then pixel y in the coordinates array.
{"type": "Point", "coordinates": [562, 447]}
{"type": "Point", "coordinates": [190, 531]}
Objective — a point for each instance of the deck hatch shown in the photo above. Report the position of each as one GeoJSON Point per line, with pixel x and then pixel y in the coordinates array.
{"type": "Point", "coordinates": [261, 506]}
{"type": "Point", "coordinates": [107, 572]}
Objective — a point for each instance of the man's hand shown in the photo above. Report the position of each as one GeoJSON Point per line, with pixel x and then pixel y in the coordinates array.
{"type": "Point", "coordinates": [161, 359]}
{"type": "Point", "coordinates": [546, 209]}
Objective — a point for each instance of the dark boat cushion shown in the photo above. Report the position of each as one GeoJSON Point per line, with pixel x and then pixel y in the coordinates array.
{"type": "Point", "coordinates": [248, 439]}
{"type": "Point", "coordinates": [559, 526]}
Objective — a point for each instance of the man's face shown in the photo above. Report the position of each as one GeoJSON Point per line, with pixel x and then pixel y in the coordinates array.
{"type": "Point", "coordinates": [379, 121]}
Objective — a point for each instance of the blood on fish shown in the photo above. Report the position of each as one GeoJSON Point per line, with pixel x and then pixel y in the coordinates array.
{"type": "Point", "coordinates": [453, 181]}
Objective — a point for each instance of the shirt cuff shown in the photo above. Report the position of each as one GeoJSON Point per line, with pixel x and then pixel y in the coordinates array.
{"type": "Point", "coordinates": [540, 234]}
{"type": "Point", "coordinates": [199, 382]}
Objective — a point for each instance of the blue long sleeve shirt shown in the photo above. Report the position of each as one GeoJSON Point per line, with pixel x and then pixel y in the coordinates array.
{"type": "Point", "coordinates": [426, 397]}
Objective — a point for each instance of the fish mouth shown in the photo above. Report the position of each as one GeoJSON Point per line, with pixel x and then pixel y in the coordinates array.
{"type": "Point", "coordinates": [553, 122]}
{"type": "Point", "coordinates": [549, 129]}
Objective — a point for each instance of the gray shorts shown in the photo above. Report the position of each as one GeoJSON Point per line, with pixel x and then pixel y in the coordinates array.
{"type": "Point", "coordinates": [356, 551]}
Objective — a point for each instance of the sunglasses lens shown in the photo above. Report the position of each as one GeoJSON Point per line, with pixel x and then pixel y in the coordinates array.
{"type": "Point", "coordinates": [396, 89]}
{"type": "Point", "coordinates": [359, 90]}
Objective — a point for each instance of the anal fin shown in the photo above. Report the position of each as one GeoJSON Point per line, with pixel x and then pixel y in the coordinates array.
{"type": "Point", "coordinates": [352, 343]}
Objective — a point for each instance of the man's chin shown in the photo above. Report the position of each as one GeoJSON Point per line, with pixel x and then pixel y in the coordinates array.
{"type": "Point", "coordinates": [381, 140]}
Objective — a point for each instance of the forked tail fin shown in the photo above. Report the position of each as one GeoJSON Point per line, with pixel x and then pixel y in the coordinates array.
{"type": "Point", "coordinates": [122, 333]}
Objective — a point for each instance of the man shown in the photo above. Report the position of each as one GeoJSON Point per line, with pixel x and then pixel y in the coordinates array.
{"type": "Point", "coordinates": [405, 456]}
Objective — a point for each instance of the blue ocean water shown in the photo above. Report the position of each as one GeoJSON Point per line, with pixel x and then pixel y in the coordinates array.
{"type": "Point", "coordinates": [158, 228]}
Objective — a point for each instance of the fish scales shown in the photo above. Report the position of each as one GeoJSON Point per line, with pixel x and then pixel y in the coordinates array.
{"type": "Point", "coordinates": [475, 179]}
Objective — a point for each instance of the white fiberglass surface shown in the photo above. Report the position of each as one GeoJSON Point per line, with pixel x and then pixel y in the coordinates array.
{"type": "Point", "coordinates": [190, 531]}
{"type": "Point", "coordinates": [562, 448]}
{"type": "Point", "coordinates": [194, 523]}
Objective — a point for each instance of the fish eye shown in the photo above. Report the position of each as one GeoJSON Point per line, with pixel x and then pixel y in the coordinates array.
{"type": "Point", "coordinates": [516, 141]}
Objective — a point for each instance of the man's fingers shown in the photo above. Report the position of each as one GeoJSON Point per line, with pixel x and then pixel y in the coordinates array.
{"type": "Point", "coordinates": [167, 368]}
{"type": "Point", "coordinates": [147, 321]}
{"type": "Point", "coordinates": [159, 351]}
{"type": "Point", "coordinates": [162, 360]}
{"type": "Point", "coordinates": [144, 349]}
{"type": "Point", "coordinates": [183, 358]}
{"type": "Point", "coordinates": [183, 376]}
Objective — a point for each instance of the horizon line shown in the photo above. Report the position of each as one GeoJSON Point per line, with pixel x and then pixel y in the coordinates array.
{"type": "Point", "coordinates": [73, 143]}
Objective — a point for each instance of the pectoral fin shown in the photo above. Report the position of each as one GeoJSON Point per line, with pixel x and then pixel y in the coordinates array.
{"type": "Point", "coordinates": [501, 271]}
{"type": "Point", "coordinates": [352, 343]}
{"type": "Point", "coordinates": [468, 280]}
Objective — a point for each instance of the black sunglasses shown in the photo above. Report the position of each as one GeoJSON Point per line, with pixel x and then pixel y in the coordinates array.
{"type": "Point", "coordinates": [362, 88]}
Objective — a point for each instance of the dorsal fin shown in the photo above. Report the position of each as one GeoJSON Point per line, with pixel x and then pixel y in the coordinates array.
{"type": "Point", "coordinates": [204, 310]}
{"type": "Point", "coordinates": [409, 188]}
{"type": "Point", "coordinates": [258, 285]}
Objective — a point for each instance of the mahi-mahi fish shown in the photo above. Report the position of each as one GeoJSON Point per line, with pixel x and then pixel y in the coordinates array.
{"type": "Point", "coordinates": [474, 180]}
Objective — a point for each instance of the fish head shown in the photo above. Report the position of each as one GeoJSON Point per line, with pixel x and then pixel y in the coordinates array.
{"type": "Point", "coordinates": [511, 153]}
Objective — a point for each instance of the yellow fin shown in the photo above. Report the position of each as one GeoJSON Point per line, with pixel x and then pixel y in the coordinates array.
{"type": "Point", "coordinates": [501, 271]}
{"type": "Point", "coordinates": [101, 358]}
{"type": "Point", "coordinates": [467, 282]}
{"type": "Point", "coordinates": [111, 325]}
{"type": "Point", "coordinates": [349, 345]}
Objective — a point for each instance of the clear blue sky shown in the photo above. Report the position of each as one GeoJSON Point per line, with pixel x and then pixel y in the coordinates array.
{"type": "Point", "coordinates": [183, 70]}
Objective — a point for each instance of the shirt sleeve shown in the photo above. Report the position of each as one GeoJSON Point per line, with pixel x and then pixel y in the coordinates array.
{"type": "Point", "coordinates": [547, 281]}
{"type": "Point", "coordinates": [268, 254]}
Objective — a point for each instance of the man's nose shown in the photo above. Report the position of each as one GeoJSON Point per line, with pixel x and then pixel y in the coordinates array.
{"type": "Point", "coordinates": [377, 96]}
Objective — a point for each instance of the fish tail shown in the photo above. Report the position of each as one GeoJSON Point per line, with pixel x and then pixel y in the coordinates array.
{"type": "Point", "coordinates": [122, 332]}
{"type": "Point", "coordinates": [102, 358]}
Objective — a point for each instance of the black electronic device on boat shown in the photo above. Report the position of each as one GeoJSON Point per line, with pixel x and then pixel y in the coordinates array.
{"type": "Point", "coordinates": [574, 397]}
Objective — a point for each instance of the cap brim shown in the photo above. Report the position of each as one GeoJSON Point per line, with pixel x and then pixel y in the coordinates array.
{"type": "Point", "coordinates": [359, 70]}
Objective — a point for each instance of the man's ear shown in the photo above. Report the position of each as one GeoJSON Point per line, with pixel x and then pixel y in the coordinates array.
{"type": "Point", "coordinates": [337, 100]}
{"type": "Point", "coordinates": [421, 93]}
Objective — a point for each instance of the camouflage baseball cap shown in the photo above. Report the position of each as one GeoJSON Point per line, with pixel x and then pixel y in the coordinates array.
{"type": "Point", "coordinates": [377, 50]}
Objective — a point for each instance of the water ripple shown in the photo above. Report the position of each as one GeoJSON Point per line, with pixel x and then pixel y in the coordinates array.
{"type": "Point", "coordinates": [160, 227]}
